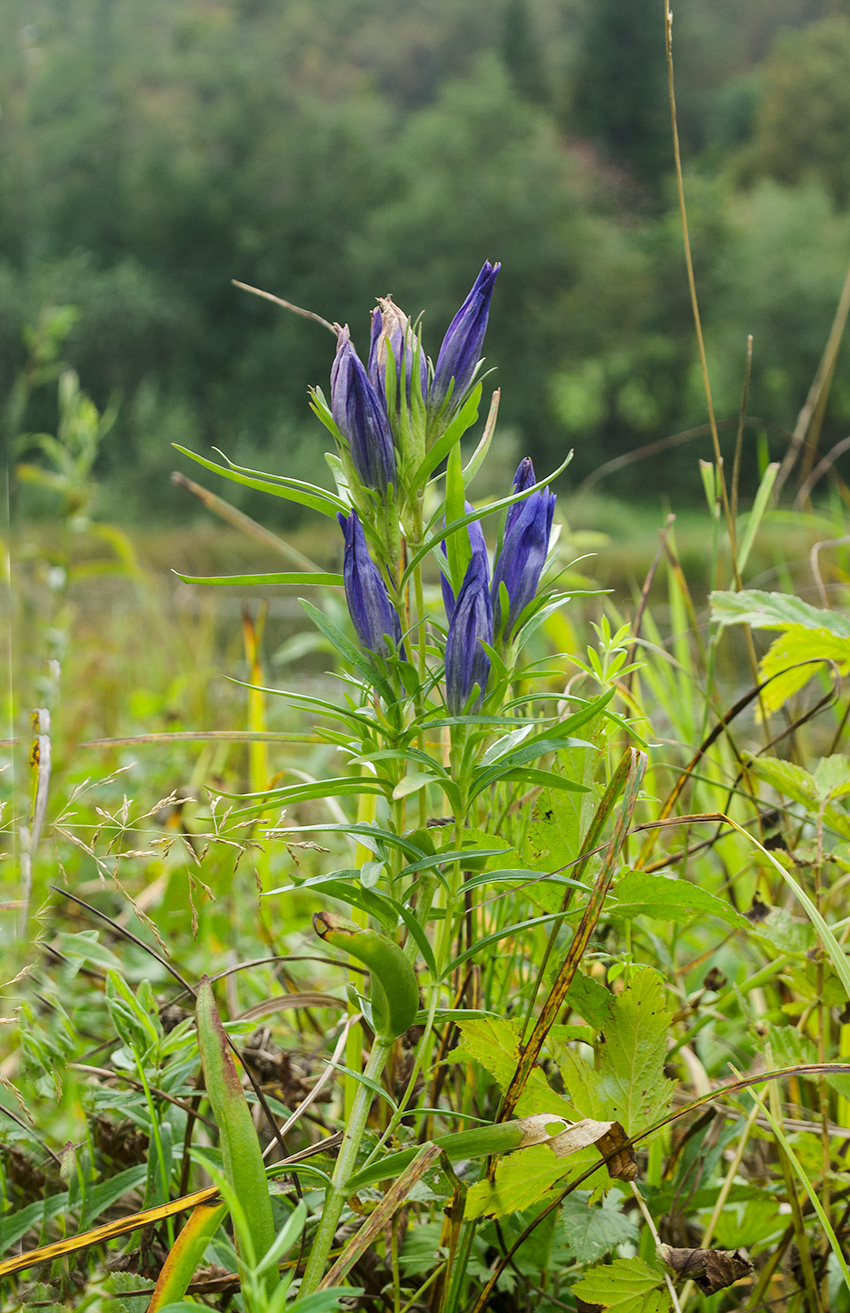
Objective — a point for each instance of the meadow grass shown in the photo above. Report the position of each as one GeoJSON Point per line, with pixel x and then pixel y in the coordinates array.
{"type": "Point", "coordinates": [134, 833]}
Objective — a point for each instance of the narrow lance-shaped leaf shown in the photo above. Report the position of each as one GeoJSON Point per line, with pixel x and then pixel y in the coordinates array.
{"type": "Point", "coordinates": [240, 1148]}
{"type": "Point", "coordinates": [185, 1255]}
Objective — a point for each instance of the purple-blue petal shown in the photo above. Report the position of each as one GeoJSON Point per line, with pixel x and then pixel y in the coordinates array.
{"type": "Point", "coordinates": [478, 544]}
{"type": "Point", "coordinates": [361, 417]}
{"type": "Point", "coordinates": [467, 662]}
{"type": "Point", "coordinates": [525, 545]}
{"type": "Point", "coordinates": [461, 348]}
{"type": "Point", "coordinates": [372, 612]}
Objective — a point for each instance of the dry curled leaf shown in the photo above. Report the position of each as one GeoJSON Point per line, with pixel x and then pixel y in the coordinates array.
{"type": "Point", "coordinates": [710, 1269]}
{"type": "Point", "coordinates": [609, 1137]}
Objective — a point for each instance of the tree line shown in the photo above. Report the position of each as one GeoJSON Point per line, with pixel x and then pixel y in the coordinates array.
{"type": "Point", "coordinates": [153, 150]}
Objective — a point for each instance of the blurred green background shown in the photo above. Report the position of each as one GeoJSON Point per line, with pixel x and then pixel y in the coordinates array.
{"type": "Point", "coordinates": [330, 151]}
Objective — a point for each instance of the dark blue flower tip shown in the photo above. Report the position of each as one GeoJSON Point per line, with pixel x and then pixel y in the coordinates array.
{"type": "Point", "coordinates": [524, 479]}
{"type": "Point", "coordinates": [372, 613]}
{"type": "Point", "coordinates": [461, 349]}
{"type": "Point", "coordinates": [360, 416]}
{"type": "Point", "coordinates": [525, 545]}
{"type": "Point", "coordinates": [467, 662]}
{"type": "Point", "coordinates": [478, 545]}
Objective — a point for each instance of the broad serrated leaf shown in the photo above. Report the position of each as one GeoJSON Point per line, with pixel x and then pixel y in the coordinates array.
{"type": "Point", "coordinates": [810, 635]}
{"type": "Point", "coordinates": [790, 662]}
{"type": "Point", "coordinates": [763, 610]}
{"type": "Point", "coordinates": [832, 776]}
{"type": "Point", "coordinates": [796, 783]}
{"type": "Point", "coordinates": [627, 1084]}
{"type": "Point", "coordinates": [591, 1000]}
{"type": "Point", "coordinates": [641, 893]}
{"type": "Point", "coordinates": [522, 1178]}
{"type": "Point", "coordinates": [494, 1043]}
{"type": "Point", "coordinates": [760, 1220]}
{"type": "Point", "coordinates": [628, 1285]}
{"type": "Point", "coordinates": [593, 1230]}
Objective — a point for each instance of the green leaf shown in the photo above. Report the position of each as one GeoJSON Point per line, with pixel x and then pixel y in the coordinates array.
{"type": "Point", "coordinates": [413, 782]}
{"type": "Point", "coordinates": [560, 820]}
{"type": "Point", "coordinates": [103, 1196]}
{"type": "Point", "coordinates": [553, 739]}
{"type": "Point", "coordinates": [421, 1249]}
{"type": "Point", "coordinates": [138, 1029]}
{"type": "Point", "coordinates": [627, 1084]}
{"type": "Point", "coordinates": [796, 783]}
{"type": "Point", "coordinates": [521, 1179]}
{"type": "Point", "coordinates": [16, 1224]}
{"type": "Point", "coordinates": [775, 611]}
{"type": "Point", "coordinates": [241, 1155]}
{"type": "Point", "coordinates": [528, 775]}
{"type": "Point", "coordinates": [363, 831]}
{"type": "Point", "coordinates": [353, 655]}
{"type": "Point", "coordinates": [464, 419]}
{"type": "Point", "coordinates": [755, 516]}
{"type": "Point", "coordinates": [293, 490]}
{"type": "Point", "coordinates": [85, 945]}
{"type": "Point", "coordinates": [665, 898]}
{"type": "Point", "coordinates": [306, 578]}
{"type": "Point", "coordinates": [336, 788]}
{"type": "Point", "coordinates": [790, 662]}
{"type": "Point", "coordinates": [628, 1285]}
{"type": "Point", "coordinates": [593, 1230]}
{"type": "Point", "coordinates": [458, 546]}
{"type": "Point", "coordinates": [590, 1000]}
{"type": "Point", "coordinates": [495, 1044]}
{"type": "Point", "coordinates": [832, 776]}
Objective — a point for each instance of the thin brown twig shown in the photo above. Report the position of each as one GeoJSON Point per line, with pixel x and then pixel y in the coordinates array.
{"type": "Point", "coordinates": [287, 305]}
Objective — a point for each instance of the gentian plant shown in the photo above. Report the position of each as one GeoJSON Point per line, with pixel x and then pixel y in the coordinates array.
{"type": "Point", "coordinates": [449, 732]}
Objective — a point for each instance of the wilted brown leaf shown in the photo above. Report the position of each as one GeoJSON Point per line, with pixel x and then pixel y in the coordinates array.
{"type": "Point", "coordinates": [710, 1269]}
{"type": "Point", "coordinates": [608, 1137]}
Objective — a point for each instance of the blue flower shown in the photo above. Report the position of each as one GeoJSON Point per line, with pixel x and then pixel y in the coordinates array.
{"type": "Point", "coordinates": [461, 349]}
{"type": "Point", "coordinates": [467, 662]}
{"type": "Point", "coordinates": [525, 545]}
{"type": "Point", "coordinates": [391, 332]}
{"type": "Point", "coordinates": [479, 547]}
{"type": "Point", "coordinates": [361, 418]}
{"type": "Point", "coordinates": [372, 613]}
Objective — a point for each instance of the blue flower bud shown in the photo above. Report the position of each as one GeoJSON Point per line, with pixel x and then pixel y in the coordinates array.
{"type": "Point", "coordinates": [391, 332]}
{"type": "Point", "coordinates": [467, 662]}
{"type": "Point", "coordinates": [372, 613]}
{"type": "Point", "coordinates": [461, 349]}
{"type": "Point", "coordinates": [525, 545]}
{"type": "Point", "coordinates": [479, 546]}
{"type": "Point", "coordinates": [361, 418]}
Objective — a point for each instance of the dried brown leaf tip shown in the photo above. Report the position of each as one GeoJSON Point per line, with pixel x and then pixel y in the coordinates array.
{"type": "Point", "coordinates": [609, 1138]}
{"type": "Point", "coordinates": [710, 1269]}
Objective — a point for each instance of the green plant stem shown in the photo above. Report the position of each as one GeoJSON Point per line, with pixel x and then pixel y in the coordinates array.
{"type": "Point", "coordinates": [157, 1138]}
{"type": "Point", "coordinates": [345, 1163]}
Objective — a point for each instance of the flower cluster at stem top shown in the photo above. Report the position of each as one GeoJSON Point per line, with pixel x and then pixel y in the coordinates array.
{"type": "Point", "coordinates": [388, 413]}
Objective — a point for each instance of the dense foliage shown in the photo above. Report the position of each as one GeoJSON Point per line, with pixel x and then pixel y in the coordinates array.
{"type": "Point", "coordinates": [597, 887]}
{"type": "Point", "coordinates": [150, 152]}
